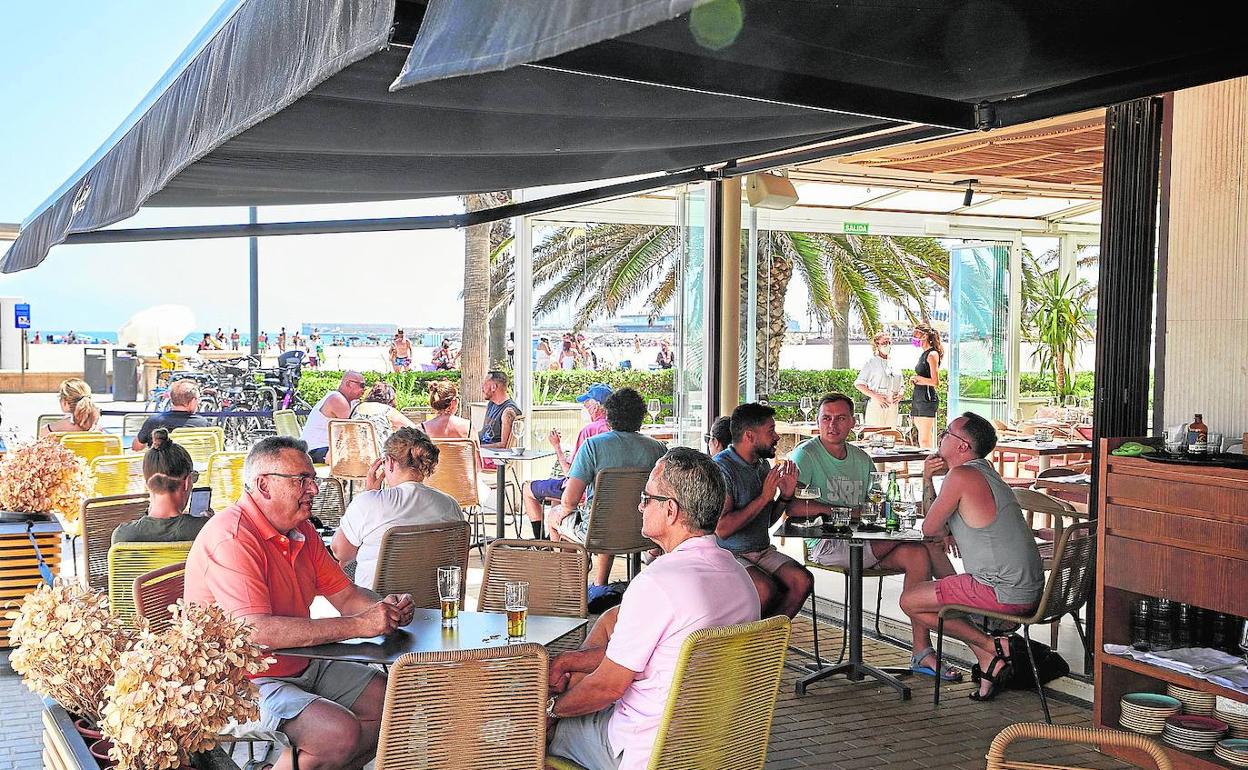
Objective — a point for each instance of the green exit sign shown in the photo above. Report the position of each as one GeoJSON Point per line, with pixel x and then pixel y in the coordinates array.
{"type": "Point", "coordinates": [856, 228]}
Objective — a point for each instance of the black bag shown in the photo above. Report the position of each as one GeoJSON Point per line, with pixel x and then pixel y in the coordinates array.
{"type": "Point", "coordinates": [1049, 665]}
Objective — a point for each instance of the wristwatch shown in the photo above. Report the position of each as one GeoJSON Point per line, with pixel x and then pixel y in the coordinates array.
{"type": "Point", "coordinates": [550, 707]}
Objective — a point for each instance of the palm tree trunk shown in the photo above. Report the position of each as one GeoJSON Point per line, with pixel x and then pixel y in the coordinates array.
{"type": "Point", "coordinates": [840, 328]}
{"type": "Point", "coordinates": [498, 338]}
{"type": "Point", "coordinates": [1059, 371]}
{"type": "Point", "coordinates": [773, 285]}
{"type": "Point", "coordinates": [472, 361]}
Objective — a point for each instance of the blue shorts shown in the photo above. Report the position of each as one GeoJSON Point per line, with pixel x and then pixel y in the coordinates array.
{"type": "Point", "coordinates": [402, 361]}
{"type": "Point", "coordinates": [544, 488]}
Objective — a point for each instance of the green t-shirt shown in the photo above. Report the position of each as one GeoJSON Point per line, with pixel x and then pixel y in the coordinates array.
{"type": "Point", "coordinates": [842, 482]}
{"type": "Point", "coordinates": [148, 530]}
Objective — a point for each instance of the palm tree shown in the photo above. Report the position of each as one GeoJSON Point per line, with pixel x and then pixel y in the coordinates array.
{"type": "Point", "coordinates": [473, 354]}
{"type": "Point", "coordinates": [1057, 322]}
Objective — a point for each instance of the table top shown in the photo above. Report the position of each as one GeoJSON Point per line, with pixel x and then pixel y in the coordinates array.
{"type": "Point", "coordinates": [1079, 481]}
{"type": "Point", "coordinates": [1063, 447]}
{"type": "Point", "coordinates": [895, 455]}
{"type": "Point", "coordinates": [508, 455]}
{"type": "Point", "coordinates": [789, 529]}
{"type": "Point", "coordinates": [425, 633]}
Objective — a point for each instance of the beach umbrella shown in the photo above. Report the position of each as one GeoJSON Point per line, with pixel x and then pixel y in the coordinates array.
{"type": "Point", "coordinates": [160, 325]}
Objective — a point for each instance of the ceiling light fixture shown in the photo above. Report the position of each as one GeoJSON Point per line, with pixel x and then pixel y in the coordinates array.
{"type": "Point", "coordinates": [970, 190]}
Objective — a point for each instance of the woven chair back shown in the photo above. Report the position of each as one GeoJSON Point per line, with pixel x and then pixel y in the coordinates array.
{"type": "Point", "coordinates": [201, 443]}
{"type": "Point", "coordinates": [466, 709]}
{"type": "Point", "coordinates": [330, 503]}
{"type": "Point", "coordinates": [225, 476]}
{"type": "Point", "coordinates": [132, 423]}
{"type": "Point", "coordinates": [287, 423]}
{"type": "Point", "coordinates": [352, 448]}
{"type": "Point", "coordinates": [410, 556]}
{"type": "Point", "coordinates": [118, 475]}
{"type": "Point", "coordinates": [99, 517]}
{"type": "Point", "coordinates": [415, 413]}
{"type": "Point", "coordinates": [1032, 501]}
{"type": "Point", "coordinates": [1074, 569]}
{"type": "Point", "coordinates": [155, 591]}
{"type": "Point", "coordinates": [723, 697]}
{"type": "Point", "coordinates": [456, 474]}
{"type": "Point", "coordinates": [614, 518]}
{"type": "Point", "coordinates": [89, 445]}
{"type": "Point", "coordinates": [128, 561]}
{"type": "Point", "coordinates": [555, 573]}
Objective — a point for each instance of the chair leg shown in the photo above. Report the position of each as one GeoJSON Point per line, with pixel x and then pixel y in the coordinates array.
{"type": "Point", "coordinates": [1083, 637]}
{"type": "Point", "coordinates": [814, 625]}
{"type": "Point", "coordinates": [879, 601]}
{"type": "Point", "coordinates": [940, 653]}
{"type": "Point", "coordinates": [1044, 701]}
{"type": "Point", "coordinates": [73, 553]}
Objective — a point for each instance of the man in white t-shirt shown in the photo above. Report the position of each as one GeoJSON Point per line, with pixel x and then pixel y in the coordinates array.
{"type": "Point", "coordinates": [408, 458]}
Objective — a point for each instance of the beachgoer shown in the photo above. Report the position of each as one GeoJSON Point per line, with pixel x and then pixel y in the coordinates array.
{"type": "Point", "coordinates": [400, 352]}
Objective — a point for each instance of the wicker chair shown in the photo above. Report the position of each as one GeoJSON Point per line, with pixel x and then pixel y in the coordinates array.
{"type": "Point", "coordinates": [408, 560]}
{"type": "Point", "coordinates": [466, 709]}
{"type": "Point", "coordinates": [202, 443]}
{"type": "Point", "coordinates": [1077, 499]}
{"type": "Point", "coordinates": [129, 561]}
{"type": "Point", "coordinates": [155, 591]}
{"type": "Point", "coordinates": [415, 413]}
{"type": "Point", "coordinates": [329, 504]}
{"type": "Point", "coordinates": [614, 526]}
{"type": "Point", "coordinates": [99, 517]}
{"type": "Point", "coordinates": [1066, 590]}
{"type": "Point", "coordinates": [456, 475]}
{"type": "Point", "coordinates": [225, 477]}
{"type": "Point", "coordinates": [556, 576]}
{"type": "Point", "coordinates": [89, 445]}
{"type": "Point", "coordinates": [132, 423]}
{"type": "Point", "coordinates": [287, 423]}
{"type": "Point", "coordinates": [118, 475]}
{"type": "Point", "coordinates": [720, 707]}
{"type": "Point", "coordinates": [352, 449]}
{"type": "Point", "coordinates": [1095, 738]}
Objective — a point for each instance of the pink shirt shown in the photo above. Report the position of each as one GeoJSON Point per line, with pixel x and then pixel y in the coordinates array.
{"type": "Point", "coordinates": [698, 585]}
{"type": "Point", "coordinates": [589, 431]}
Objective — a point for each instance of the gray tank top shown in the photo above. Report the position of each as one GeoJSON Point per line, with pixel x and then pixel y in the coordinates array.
{"type": "Point", "coordinates": [1002, 555]}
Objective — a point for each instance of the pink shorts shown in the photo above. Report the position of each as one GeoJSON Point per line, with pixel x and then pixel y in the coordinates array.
{"type": "Point", "coordinates": [966, 590]}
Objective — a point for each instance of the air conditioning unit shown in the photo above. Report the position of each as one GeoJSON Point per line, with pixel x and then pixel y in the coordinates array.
{"type": "Point", "coordinates": [769, 191]}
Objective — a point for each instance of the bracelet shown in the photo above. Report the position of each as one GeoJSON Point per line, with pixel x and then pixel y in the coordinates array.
{"type": "Point", "coordinates": [784, 499]}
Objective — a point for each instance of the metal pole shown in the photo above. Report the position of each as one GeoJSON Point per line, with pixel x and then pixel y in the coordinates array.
{"type": "Point", "coordinates": [523, 307]}
{"type": "Point", "coordinates": [253, 270]}
{"type": "Point", "coordinates": [751, 313]}
{"type": "Point", "coordinates": [1015, 312]}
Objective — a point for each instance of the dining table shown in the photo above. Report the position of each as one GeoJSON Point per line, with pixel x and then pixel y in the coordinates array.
{"type": "Point", "coordinates": [471, 631]}
{"type": "Point", "coordinates": [501, 458]}
{"type": "Point", "coordinates": [1027, 446]}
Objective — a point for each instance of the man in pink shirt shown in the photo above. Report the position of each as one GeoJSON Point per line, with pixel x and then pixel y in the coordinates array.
{"type": "Point", "coordinates": [610, 694]}
{"type": "Point", "coordinates": [262, 561]}
{"type": "Point", "coordinates": [552, 489]}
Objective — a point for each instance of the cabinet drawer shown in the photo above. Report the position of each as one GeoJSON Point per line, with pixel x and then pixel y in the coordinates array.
{"type": "Point", "coordinates": [1177, 529]}
{"type": "Point", "coordinates": [1192, 577]}
{"type": "Point", "coordinates": [1163, 490]}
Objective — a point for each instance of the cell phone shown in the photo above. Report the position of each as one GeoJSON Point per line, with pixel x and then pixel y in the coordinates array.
{"type": "Point", "coordinates": [201, 502]}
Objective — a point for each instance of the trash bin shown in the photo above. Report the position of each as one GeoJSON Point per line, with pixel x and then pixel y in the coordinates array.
{"type": "Point", "coordinates": [125, 375]}
{"type": "Point", "coordinates": [95, 368]}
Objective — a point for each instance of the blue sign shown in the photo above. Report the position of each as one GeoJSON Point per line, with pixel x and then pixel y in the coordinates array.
{"type": "Point", "coordinates": [21, 315]}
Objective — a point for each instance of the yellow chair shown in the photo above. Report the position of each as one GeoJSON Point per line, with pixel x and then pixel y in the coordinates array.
{"type": "Point", "coordinates": [287, 423]}
{"type": "Point", "coordinates": [200, 442]}
{"type": "Point", "coordinates": [155, 591]}
{"type": "Point", "coordinates": [89, 444]}
{"type": "Point", "coordinates": [99, 517]}
{"type": "Point", "coordinates": [614, 526]}
{"type": "Point", "coordinates": [118, 475]}
{"type": "Point", "coordinates": [722, 700]}
{"type": "Point", "coordinates": [555, 572]}
{"type": "Point", "coordinates": [128, 561]}
{"type": "Point", "coordinates": [415, 413]}
{"type": "Point", "coordinates": [225, 476]}
{"type": "Point", "coordinates": [456, 475]}
{"type": "Point", "coordinates": [132, 423]}
{"type": "Point", "coordinates": [329, 504]}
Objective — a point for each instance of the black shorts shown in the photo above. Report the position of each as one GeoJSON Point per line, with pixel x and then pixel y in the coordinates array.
{"type": "Point", "coordinates": [921, 407]}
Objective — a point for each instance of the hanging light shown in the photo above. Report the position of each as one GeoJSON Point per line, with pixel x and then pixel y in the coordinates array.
{"type": "Point", "coordinates": [970, 190]}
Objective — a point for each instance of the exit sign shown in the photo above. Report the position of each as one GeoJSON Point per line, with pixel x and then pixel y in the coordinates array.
{"type": "Point", "coordinates": [856, 228]}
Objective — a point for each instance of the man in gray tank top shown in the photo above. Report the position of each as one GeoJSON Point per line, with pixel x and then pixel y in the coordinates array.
{"type": "Point", "coordinates": [1003, 568]}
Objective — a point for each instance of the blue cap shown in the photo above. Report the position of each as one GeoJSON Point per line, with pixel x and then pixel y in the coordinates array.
{"type": "Point", "coordinates": [598, 392]}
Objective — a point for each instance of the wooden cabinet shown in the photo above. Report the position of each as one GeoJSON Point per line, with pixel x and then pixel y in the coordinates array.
{"type": "Point", "coordinates": [1172, 531]}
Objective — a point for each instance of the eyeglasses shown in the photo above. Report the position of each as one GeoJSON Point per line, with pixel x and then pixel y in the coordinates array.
{"type": "Point", "coordinates": [947, 432]}
{"type": "Point", "coordinates": [301, 478]}
{"type": "Point", "coordinates": [646, 498]}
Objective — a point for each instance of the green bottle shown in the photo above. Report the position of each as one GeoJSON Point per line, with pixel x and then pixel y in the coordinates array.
{"type": "Point", "coordinates": [892, 497]}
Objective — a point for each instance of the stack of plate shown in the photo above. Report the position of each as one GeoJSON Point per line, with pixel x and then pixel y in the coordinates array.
{"type": "Point", "coordinates": [1233, 750]}
{"type": "Point", "coordinates": [1193, 733]}
{"type": "Point", "coordinates": [1234, 713]}
{"type": "Point", "coordinates": [1194, 701]}
{"type": "Point", "coordinates": [1146, 712]}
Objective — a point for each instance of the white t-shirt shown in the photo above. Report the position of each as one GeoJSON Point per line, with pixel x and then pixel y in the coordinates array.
{"type": "Point", "coordinates": [371, 514]}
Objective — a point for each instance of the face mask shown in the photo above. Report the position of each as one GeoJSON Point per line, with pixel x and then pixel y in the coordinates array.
{"type": "Point", "coordinates": [885, 349]}
{"type": "Point", "coordinates": [918, 343]}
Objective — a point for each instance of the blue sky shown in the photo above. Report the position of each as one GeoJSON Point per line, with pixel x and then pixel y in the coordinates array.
{"type": "Point", "coordinates": [72, 72]}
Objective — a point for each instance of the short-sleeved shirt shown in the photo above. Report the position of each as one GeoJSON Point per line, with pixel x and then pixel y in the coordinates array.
{"type": "Point", "coordinates": [744, 482]}
{"type": "Point", "coordinates": [613, 449]}
{"type": "Point", "coordinates": [842, 482]}
{"type": "Point", "coordinates": [171, 420]}
{"type": "Point", "coordinates": [595, 428]}
{"type": "Point", "coordinates": [698, 585]}
{"type": "Point", "coordinates": [372, 513]}
{"type": "Point", "coordinates": [178, 529]}
{"type": "Point", "coordinates": [247, 567]}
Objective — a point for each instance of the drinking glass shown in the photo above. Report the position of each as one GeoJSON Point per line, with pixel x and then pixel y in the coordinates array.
{"type": "Point", "coordinates": [804, 405]}
{"type": "Point", "coordinates": [1016, 416]}
{"type": "Point", "coordinates": [870, 514]}
{"type": "Point", "coordinates": [448, 594]}
{"type": "Point", "coordinates": [807, 492]}
{"type": "Point", "coordinates": [860, 419]}
{"type": "Point", "coordinates": [1174, 441]}
{"type": "Point", "coordinates": [653, 407]}
{"type": "Point", "coordinates": [1214, 442]}
{"type": "Point", "coordinates": [517, 608]}
{"type": "Point", "coordinates": [840, 518]}
{"type": "Point", "coordinates": [888, 440]}
{"type": "Point", "coordinates": [1071, 402]}
{"type": "Point", "coordinates": [905, 423]}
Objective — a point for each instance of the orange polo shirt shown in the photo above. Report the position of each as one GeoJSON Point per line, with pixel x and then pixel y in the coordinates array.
{"type": "Point", "coordinates": [247, 567]}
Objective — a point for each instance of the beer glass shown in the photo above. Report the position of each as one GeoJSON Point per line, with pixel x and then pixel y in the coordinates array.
{"type": "Point", "coordinates": [448, 594]}
{"type": "Point", "coordinates": [517, 609]}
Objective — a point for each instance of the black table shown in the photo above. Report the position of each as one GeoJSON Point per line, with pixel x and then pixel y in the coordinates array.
{"type": "Point", "coordinates": [425, 633]}
{"type": "Point", "coordinates": [855, 668]}
{"type": "Point", "coordinates": [501, 457]}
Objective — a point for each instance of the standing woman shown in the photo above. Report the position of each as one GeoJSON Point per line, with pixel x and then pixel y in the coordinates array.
{"type": "Point", "coordinates": [880, 382]}
{"type": "Point", "coordinates": [926, 380]}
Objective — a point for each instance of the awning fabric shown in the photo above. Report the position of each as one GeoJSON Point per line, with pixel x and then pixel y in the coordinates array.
{"type": "Point", "coordinates": [320, 101]}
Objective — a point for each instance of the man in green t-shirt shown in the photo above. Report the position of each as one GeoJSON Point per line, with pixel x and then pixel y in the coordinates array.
{"type": "Point", "coordinates": [842, 472]}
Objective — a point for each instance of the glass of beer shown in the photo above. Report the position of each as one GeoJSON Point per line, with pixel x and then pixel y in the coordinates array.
{"type": "Point", "coordinates": [517, 609]}
{"type": "Point", "coordinates": [448, 594]}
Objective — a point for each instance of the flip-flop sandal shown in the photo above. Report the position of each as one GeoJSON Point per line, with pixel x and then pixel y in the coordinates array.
{"type": "Point", "coordinates": [950, 674]}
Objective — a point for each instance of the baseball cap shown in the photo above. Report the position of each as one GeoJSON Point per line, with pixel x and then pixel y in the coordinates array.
{"type": "Point", "coordinates": [598, 392]}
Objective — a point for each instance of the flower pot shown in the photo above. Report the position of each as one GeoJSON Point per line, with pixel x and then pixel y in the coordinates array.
{"type": "Point", "coordinates": [87, 729]}
{"type": "Point", "coordinates": [99, 750]}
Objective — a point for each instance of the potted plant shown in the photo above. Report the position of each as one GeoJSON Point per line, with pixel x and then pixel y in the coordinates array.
{"type": "Point", "coordinates": [176, 690]}
{"type": "Point", "coordinates": [44, 477]}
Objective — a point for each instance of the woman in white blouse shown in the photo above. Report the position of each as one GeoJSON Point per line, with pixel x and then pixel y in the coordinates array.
{"type": "Point", "coordinates": [881, 383]}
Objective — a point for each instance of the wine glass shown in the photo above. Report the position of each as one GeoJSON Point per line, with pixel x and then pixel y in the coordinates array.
{"type": "Point", "coordinates": [906, 424]}
{"type": "Point", "coordinates": [808, 492]}
{"type": "Point", "coordinates": [1016, 416]}
{"type": "Point", "coordinates": [653, 407]}
{"type": "Point", "coordinates": [860, 419]}
{"type": "Point", "coordinates": [804, 405]}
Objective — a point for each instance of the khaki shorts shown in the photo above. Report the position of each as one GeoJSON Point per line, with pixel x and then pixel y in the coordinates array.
{"type": "Point", "coordinates": [835, 553]}
{"type": "Point", "coordinates": [768, 560]}
{"type": "Point", "coordinates": [284, 698]}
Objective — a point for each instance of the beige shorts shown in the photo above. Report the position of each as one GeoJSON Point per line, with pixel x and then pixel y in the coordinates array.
{"type": "Point", "coordinates": [284, 698]}
{"type": "Point", "coordinates": [835, 553]}
{"type": "Point", "coordinates": [768, 560]}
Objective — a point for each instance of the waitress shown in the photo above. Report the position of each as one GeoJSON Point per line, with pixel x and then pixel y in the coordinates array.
{"type": "Point", "coordinates": [926, 380]}
{"type": "Point", "coordinates": [880, 383]}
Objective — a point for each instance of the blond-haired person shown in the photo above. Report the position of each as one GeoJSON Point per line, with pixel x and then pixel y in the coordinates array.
{"type": "Point", "coordinates": [444, 401]}
{"type": "Point", "coordinates": [881, 383]}
{"type": "Point", "coordinates": [81, 413]}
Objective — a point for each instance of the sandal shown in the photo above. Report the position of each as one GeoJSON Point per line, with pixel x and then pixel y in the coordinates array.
{"type": "Point", "coordinates": [949, 674]}
{"type": "Point", "coordinates": [996, 676]}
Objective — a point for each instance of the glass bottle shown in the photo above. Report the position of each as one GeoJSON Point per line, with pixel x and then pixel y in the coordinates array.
{"type": "Point", "coordinates": [1197, 436]}
{"type": "Point", "coordinates": [892, 500]}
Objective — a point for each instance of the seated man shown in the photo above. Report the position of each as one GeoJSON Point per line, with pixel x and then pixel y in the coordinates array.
{"type": "Point", "coordinates": [842, 472]}
{"type": "Point", "coordinates": [334, 405]}
{"type": "Point", "coordinates": [621, 447]}
{"type": "Point", "coordinates": [1003, 568]}
{"type": "Point", "coordinates": [751, 507]}
{"type": "Point", "coordinates": [183, 402]}
{"type": "Point", "coordinates": [262, 561]}
{"type": "Point", "coordinates": [609, 696]}
{"type": "Point", "coordinates": [542, 489]}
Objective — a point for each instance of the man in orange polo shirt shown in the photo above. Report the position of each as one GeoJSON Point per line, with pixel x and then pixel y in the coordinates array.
{"type": "Point", "coordinates": [261, 560]}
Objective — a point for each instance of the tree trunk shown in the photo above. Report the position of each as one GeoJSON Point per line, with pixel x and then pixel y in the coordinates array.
{"type": "Point", "coordinates": [1059, 372]}
{"type": "Point", "coordinates": [773, 285]}
{"type": "Point", "coordinates": [500, 231]}
{"type": "Point", "coordinates": [472, 361]}
{"type": "Point", "coordinates": [840, 328]}
{"type": "Point", "coordinates": [498, 338]}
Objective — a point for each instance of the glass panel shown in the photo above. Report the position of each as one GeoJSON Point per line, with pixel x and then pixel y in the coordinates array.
{"type": "Point", "coordinates": [979, 329]}
{"type": "Point", "coordinates": [689, 400]}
